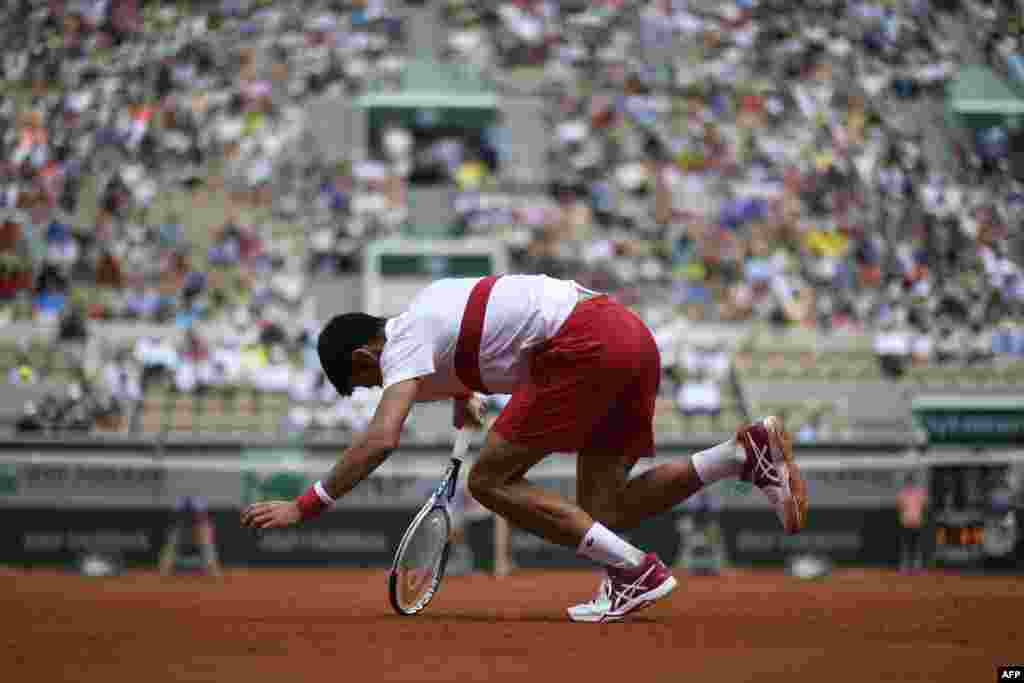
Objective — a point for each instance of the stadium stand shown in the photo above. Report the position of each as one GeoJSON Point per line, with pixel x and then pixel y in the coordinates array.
{"type": "Point", "coordinates": [178, 210]}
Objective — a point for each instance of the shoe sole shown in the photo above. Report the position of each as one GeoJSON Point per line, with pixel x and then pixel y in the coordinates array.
{"type": "Point", "coordinates": [795, 504]}
{"type": "Point", "coordinates": [641, 602]}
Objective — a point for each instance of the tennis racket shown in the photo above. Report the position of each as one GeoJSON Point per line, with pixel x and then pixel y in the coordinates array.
{"type": "Point", "coordinates": [422, 554]}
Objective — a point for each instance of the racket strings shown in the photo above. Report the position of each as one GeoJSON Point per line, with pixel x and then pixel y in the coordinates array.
{"type": "Point", "coordinates": [419, 566]}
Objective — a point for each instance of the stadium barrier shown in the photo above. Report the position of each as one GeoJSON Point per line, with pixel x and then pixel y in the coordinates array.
{"type": "Point", "coordinates": [65, 498]}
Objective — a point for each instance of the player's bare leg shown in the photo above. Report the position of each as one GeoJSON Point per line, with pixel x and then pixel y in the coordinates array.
{"type": "Point", "coordinates": [760, 453]}
{"type": "Point", "coordinates": [601, 480]}
{"type": "Point", "coordinates": [497, 480]}
{"type": "Point", "coordinates": [605, 492]}
{"type": "Point", "coordinates": [604, 489]}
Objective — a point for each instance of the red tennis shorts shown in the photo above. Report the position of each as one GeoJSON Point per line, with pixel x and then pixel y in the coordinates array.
{"type": "Point", "coordinates": [592, 386]}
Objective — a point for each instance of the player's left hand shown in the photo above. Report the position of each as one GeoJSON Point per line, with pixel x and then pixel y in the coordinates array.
{"type": "Point", "coordinates": [271, 514]}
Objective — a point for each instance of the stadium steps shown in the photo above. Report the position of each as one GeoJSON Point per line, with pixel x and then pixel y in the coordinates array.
{"type": "Point", "coordinates": [275, 409]}
{"type": "Point", "coordinates": [49, 360]}
{"type": "Point", "coordinates": [796, 415]}
{"type": "Point", "coordinates": [425, 32]}
{"type": "Point", "coordinates": [229, 411]}
{"type": "Point", "coordinates": [238, 411]}
{"type": "Point", "coordinates": [151, 419]}
{"type": "Point", "coordinates": [432, 212]}
{"type": "Point", "coordinates": [996, 377]}
{"type": "Point", "coordinates": [793, 372]}
{"type": "Point", "coordinates": [798, 364]}
{"type": "Point", "coordinates": [180, 414]}
{"type": "Point", "coordinates": [8, 356]}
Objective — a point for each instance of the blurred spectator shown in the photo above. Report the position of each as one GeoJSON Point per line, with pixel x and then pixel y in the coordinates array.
{"type": "Point", "coordinates": [699, 395]}
{"type": "Point", "coordinates": [123, 383]}
{"type": "Point", "coordinates": [1001, 523]}
{"type": "Point", "coordinates": [274, 374]}
{"type": "Point", "coordinates": [191, 543]}
{"type": "Point", "coordinates": [51, 412]}
{"type": "Point", "coordinates": [157, 357]}
{"type": "Point", "coordinates": [78, 412]}
{"type": "Point", "coordinates": [23, 373]}
{"type": "Point", "coordinates": [912, 501]}
{"type": "Point", "coordinates": [350, 413]}
{"type": "Point", "coordinates": [815, 428]}
{"type": "Point", "coordinates": [73, 327]}
{"type": "Point", "coordinates": [892, 345]}
{"type": "Point", "coordinates": [108, 415]}
{"type": "Point", "coordinates": [699, 392]}
{"type": "Point", "coordinates": [1009, 338]}
{"type": "Point", "coordinates": [29, 423]}
{"type": "Point", "coordinates": [193, 371]}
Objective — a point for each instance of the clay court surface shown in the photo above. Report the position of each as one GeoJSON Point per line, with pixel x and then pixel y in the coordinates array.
{"type": "Point", "coordinates": [320, 625]}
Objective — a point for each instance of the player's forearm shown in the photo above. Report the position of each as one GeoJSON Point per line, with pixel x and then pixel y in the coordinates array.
{"type": "Point", "coordinates": [356, 464]}
{"type": "Point", "coordinates": [366, 454]}
{"type": "Point", "coordinates": [424, 395]}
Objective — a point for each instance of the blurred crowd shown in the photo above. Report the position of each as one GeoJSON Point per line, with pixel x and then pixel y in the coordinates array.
{"type": "Point", "coordinates": [998, 28]}
{"type": "Point", "coordinates": [369, 198]}
{"type": "Point", "coordinates": [78, 410]}
{"type": "Point", "coordinates": [111, 106]}
{"type": "Point", "coordinates": [758, 161]}
{"type": "Point", "coordinates": [755, 158]}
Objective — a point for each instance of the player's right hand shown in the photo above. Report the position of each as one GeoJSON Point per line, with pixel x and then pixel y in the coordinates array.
{"type": "Point", "coordinates": [470, 412]}
{"type": "Point", "coordinates": [271, 514]}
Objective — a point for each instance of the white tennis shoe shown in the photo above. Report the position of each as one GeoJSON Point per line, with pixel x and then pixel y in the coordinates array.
{"type": "Point", "coordinates": [626, 590]}
{"type": "Point", "coordinates": [596, 608]}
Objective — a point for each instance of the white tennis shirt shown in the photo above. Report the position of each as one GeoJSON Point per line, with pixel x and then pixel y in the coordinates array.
{"type": "Point", "coordinates": [523, 311]}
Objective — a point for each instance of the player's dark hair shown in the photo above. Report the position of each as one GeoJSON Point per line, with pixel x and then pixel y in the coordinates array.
{"type": "Point", "coordinates": [342, 335]}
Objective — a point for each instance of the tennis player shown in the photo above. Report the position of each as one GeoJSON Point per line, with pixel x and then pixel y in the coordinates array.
{"type": "Point", "coordinates": [583, 372]}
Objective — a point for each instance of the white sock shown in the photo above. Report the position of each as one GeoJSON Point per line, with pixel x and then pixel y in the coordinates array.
{"type": "Point", "coordinates": [723, 461]}
{"type": "Point", "coordinates": [603, 546]}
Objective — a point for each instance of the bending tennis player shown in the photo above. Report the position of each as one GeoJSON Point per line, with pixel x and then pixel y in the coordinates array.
{"type": "Point", "coordinates": [583, 372]}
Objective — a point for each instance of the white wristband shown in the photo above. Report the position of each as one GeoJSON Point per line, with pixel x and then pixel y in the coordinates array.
{"type": "Point", "coordinates": [322, 494]}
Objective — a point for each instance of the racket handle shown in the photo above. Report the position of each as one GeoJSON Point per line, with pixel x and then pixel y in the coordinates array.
{"type": "Point", "coordinates": [454, 480]}
{"type": "Point", "coordinates": [461, 445]}
{"type": "Point", "coordinates": [459, 451]}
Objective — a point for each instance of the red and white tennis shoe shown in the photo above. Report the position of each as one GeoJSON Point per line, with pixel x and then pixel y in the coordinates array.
{"type": "Point", "coordinates": [770, 467]}
{"type": "Point", "coordinates": [626, 590]}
